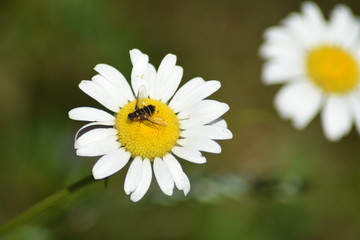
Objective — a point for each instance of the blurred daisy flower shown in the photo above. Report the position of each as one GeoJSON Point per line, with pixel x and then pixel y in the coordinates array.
{"type": "Point", "coordinates": [152, 123]}
{"type": "Point", "coordinates": [318, 61]}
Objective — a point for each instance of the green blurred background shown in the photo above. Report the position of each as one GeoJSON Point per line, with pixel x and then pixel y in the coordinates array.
{"type": "Point", "coordinates": [270, 182]}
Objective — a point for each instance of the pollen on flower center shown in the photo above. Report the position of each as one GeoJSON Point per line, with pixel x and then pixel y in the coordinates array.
{"type": "Point", "coordinates": [332, 68]}
{"type": "Point", "coordinates": [148, 138]}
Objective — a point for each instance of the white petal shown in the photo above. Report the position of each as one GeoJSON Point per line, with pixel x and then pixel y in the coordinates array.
{"type": "Point", "coordinates": [298, 101]}
{"type": "Point", "coordinates": [344, 29]}
{"type": "Point", "coordinates": [313, 14]}
{"type": "Point", "coordinates": [90, 114]}
{"type": "Point", "coordinates": [196, 94]}
{"type": "Point", "coordinates": [219, 123]}
{"type": "Point", "coordinates": [144, 183]}
{"type": "Point", "coordinates": [207, 115]}
{"type": "Point", "coordinates": [186, 184]}
{"type": "Point", "coordinates": [315, 21]}
{"type": "Point", "coordinates": [287, 52]}
{"type": "Point", "coordinates": [133, 176]}
{"type": "Point", "coordinates": [96, 135]}
{"type": "Point", "coordinates": [181, 180]}
{"type": "Point", "coordinates": [136, 56]}
{"type": "Point", "coordinates": [207, 131]}
{"type": "Point", "coordinates": [99, 94]}
{"type": "Point", "coordinates": [280, 44]}
{"type": "Point", "coordinates": [164, 73]}
{"type": "Point", "coordinates": [278, 34]}
{"type": "Point", "coordinates": [303, 32]}
{"type": "Point", "coordinates": [355, 104]}
{"type": "Point", "coordinates": [200, 144]}
{"type": "Point", "coordinates": [188, 154]}
{"type": "Point", "coordinates": [110, 163]}
{"type": "Point", "coordinates": [167, 65]}
{"type": "Point", "coordinates": [184, 90]}
{"type": "Point", "coordinates": [172, 84]}
{"type": "Point", "coordinates": [98, 148]}
{"type": "Point", "coordinates": [204, 107]}
{"type": "Point", "coordinates": [140, 65]}
{"type": "Point", "coordinates": [163, 176]}
{"type": "Point", "coordinates": [151, 76]}
{"type": "Point", "coordinates": [114, 91]}
{"type": "Point", "coordinates": [336, 118]}
{"type": "Point", "coordinates": [278, 72]}
{"type": "Point", "coordinates": [92, 124]}
{"type": "Point", "coordinates": [115, 77]}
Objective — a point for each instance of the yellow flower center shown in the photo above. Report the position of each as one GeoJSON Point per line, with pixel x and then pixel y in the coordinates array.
{"type": "Point", "coordinates": [332, 68]}
{"type": "Point", "coordinates": [149, 136]}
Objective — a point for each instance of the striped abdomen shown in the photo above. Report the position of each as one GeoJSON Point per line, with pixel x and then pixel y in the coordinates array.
{"type": "Point", "coordinates": [142, 113]}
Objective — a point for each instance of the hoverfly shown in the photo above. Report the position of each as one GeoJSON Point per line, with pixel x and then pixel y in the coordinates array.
{"type": "Point", "coordinates": [145, 112]}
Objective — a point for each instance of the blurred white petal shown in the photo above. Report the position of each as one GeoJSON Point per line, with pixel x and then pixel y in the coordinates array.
{"type": "Point", "coordinates": [336, 118]}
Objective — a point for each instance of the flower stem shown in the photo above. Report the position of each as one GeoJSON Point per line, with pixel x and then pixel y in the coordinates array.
{"type": "Point", "coordinates": [44, 204]}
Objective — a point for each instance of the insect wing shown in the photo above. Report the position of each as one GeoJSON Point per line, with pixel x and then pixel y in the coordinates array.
{"type": "Point", "coordinates": [142, 94]}
{"type": "Point", "coordinates": [158, 121]}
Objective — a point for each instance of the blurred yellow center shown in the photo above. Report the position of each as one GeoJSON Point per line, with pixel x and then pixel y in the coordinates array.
{"type": "Point", "coordinates": [332, 69]}
{"type": "Point", "coordinates": [148, 138]}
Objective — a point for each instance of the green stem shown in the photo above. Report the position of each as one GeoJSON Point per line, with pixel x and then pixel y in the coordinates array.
{"type": "Point", "coordinates": [44, 204]}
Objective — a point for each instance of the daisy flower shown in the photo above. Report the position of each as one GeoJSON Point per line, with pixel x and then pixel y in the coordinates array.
{"type": "Point", "coordinates": [151, 124]}
{"type": "Point", "coordinates": [318, 60]}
